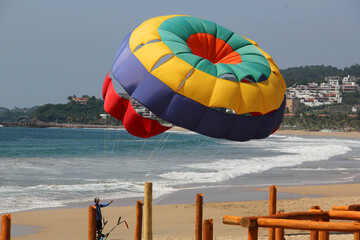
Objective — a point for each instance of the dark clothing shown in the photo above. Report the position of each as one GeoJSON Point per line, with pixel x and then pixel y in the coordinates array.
{"type": "Point", "coordinates": [98, 225]}
{"type": "Point", "coordinates": [98, 209]}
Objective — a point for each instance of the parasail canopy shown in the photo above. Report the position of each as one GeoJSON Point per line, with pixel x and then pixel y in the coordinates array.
{"type": "Point", "coordinates": [198, 75]}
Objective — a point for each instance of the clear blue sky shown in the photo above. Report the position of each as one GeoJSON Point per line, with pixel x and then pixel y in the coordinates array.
{"type": "Point", "coordinates": [51, 49]}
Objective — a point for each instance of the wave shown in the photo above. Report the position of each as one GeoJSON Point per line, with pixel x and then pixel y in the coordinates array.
{"type": "Point", "coordinates": [226, 169]}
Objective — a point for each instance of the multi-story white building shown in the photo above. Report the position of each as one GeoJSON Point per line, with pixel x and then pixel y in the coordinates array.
{"type": "Point", "coordinates": [349, 84]}
{"type": "Point", "coordinates": [328, 92]}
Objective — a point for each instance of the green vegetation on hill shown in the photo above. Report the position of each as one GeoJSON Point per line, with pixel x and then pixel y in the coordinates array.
{"type": "Point", "coordinates": [317, 122]}
{"type": "Point", "coordinates": [72, 112]}
{"type": "Point", "coordinates": [15, 115]}
{"type": "Point", "coordinates": [303, 75]}
{"type": "Point", "coordinates": [351, 98]}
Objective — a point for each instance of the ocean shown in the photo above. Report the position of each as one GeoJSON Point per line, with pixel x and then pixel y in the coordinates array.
{"type": "Point", "coordinates": [45, 168]}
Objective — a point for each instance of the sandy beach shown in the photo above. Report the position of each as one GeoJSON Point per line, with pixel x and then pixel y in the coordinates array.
{"type": "Point", "coordinates": [177, 221]}
{"type": "Point", "coordinates": [321, 134]}
{"type": "Point", "coordinates": [303, 132]}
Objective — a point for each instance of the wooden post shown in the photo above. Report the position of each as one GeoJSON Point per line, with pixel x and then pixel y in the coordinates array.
{"type": "Point", "coordinates": [208, 229]}
{"type": "Point", "coordinates": [324, 235]}
{"type": "Point", "coordinates": [148, 211]}
{"type": "Point", "coordinates": [279, 232]}
{"type": "Point", "coordinates": [357, 234]}
{"type": "Point", "coordinates": [314, 235]}
{"type": "Point", "coordinates": [92, 223]}
{"type": "Point", "coordinates": [5, 227]}
{"type": "Point", "coordinates": [138, 224]}
{"type": "Point", "coordinates": [272, 209]}
{"type": "Point", "coordinates": [253, 233]}
{"type": "Point", "coordinates": [199, 216]}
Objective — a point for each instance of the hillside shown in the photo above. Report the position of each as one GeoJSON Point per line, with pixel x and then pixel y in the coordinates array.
{"type": "Point", "coordinates": [73, 112]}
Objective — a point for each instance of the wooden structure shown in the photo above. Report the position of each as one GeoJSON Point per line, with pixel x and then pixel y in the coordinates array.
{"type": "Point", "coordinates": [208, 229]}
{"type": "Point", "coordinates": [92, 223]}
{"type": "Point", "coordinates": [138, 224]}
{"type": "Point", "coordinates": [355, 207]}
{"type": "Point", "coordinates": [199, 216]}
{"type": "Point", "coordinates": [148, 211]}
{"type": "Point", "coordinates": [5, 227]}
{"type": "Point", "coordinates": [315, 220]}
{"type": "Point", "coordinates": [272, 209]}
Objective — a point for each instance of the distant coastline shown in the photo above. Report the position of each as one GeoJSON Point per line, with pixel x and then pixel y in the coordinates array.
{"type": "Point", "coordinates": [55, 125]}
{"type": "Point", "coordinates": [350, 134]}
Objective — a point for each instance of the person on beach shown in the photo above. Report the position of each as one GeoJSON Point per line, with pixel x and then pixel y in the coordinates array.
{"type": "Point", "coordinates": [98, 206]}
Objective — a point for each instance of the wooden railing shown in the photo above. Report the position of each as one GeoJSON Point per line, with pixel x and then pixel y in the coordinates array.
{"type": "Point", "coordinates": [315, 220]}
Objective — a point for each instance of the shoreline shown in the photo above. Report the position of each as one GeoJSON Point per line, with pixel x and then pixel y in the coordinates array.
{"type": "Point", "coordinates": [351, 134]}
{"type": "Point", "coordinates": [319, 133]}
{"type": "Point", "coordinates": [176, 221]}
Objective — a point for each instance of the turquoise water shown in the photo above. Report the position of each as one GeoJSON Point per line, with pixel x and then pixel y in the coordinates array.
{"type": "Point", "coordinates": [55, 167]}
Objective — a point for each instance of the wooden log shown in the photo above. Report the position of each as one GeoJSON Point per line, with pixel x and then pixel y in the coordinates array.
{"type": "Point", "coordinates": [253, 233]}
{"type": "Point", "coordinates": [5, 227]}
{"type": "Point", "coordinates": [354, 207]}
{"type": "Point", "coordinates": [315, 210]}
{"type": "Point", "coordinates": [208, 229]}
{"type": "Point", "coordinates": [92, 223]}
{"type": "Point", "coordinates": [344, 215]}
{"type": "Point", "coordinates": [242, 221]}
{"type": "Point", "coordinates": [340, 208]}
{"type": "Point", "coordinates": [148, 211]}
{"type": "Point", "coordinates": [272, 209]}
{"type": "Point", "coordinates": [251, 221]}
{"type": "Point", "coordinates": [308, 225]}
{"type": "Point", "coordinates": [199, 216]}
{"type": "Point", "coordinates": [302, 215]}
{"type": "Point", "coordinates": [138, 224]}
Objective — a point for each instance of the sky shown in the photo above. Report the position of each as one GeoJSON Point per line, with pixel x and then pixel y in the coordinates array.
{"type": "Point", "coordinates": [51, 49]}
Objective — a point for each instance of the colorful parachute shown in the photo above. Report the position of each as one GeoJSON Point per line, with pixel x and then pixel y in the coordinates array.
{"type": "Point", "coordinates": [197, 75]}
